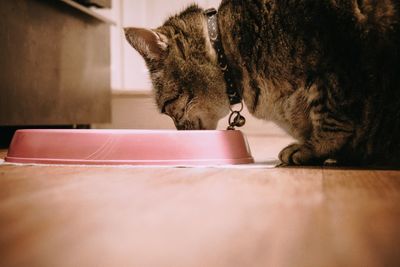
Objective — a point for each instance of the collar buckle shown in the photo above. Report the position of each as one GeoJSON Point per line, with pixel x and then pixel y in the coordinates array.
{"type": "Point", "coordinates": [210, 12]}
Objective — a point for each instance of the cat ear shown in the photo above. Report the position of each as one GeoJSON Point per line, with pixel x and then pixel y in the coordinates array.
{"type": "Point", "coordinates": [148, 43]}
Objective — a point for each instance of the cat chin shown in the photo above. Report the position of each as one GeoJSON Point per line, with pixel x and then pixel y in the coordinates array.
{"type": "Point", "coordinates": [202, 125]}
{"type": "Point", "coordinates": [195, 124]}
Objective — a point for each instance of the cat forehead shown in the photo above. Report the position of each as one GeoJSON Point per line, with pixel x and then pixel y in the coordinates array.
{"type": "Point", "coordinates": [187, 13]}
{"type": "Point", "coordinates": [186, 21]}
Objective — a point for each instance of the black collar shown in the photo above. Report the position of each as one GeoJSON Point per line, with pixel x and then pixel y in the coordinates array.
{"type": "Point", "coordinates": [232, 89]}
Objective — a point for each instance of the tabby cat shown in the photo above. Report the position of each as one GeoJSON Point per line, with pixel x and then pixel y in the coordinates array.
{"type": "Point", "coordinates": [328, 72]}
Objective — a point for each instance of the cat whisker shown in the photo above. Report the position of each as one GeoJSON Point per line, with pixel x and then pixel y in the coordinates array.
{"type": "Point", "coordinates": [190, 105]}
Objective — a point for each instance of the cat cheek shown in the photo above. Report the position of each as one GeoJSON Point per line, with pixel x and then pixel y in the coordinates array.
{"type": "Point", "coordinates": [208, 122]}
{"type": "Point", "coordinates": [212, 126]}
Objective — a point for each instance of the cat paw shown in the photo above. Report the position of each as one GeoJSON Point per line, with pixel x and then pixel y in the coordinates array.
{"type": "Point", "coordinates": [297, 154]}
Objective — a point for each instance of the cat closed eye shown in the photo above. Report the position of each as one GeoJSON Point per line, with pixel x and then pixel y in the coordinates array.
{"type": "Point", "coordinates": [169, 102]}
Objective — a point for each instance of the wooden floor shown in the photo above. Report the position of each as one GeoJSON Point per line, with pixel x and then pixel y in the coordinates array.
{"type": "Point", "coordinates": [104, 216]}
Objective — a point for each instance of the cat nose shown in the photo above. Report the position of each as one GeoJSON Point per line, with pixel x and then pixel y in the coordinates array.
{"type": "Point", "coordinates": [180, 126]}
{"type": "Point", "coordinates": [185, 125]}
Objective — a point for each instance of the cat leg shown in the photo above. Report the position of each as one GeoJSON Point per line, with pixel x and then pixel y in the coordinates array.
{"type": "Point", "coordinates": [331, 131]}
{"type": "Point", "coordinates": [322, 146]}
{"type": "Point", "coordinates": [298, 154]}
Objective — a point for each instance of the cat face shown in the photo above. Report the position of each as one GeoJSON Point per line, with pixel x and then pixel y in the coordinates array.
{"type": "Point", "coordinates": [188, 84]}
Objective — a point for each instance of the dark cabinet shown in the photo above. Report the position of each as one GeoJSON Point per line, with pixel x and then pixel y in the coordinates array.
{"type": "Point", "coordinates": [54, 65]}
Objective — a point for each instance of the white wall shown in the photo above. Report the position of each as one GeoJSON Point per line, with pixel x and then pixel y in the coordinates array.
{"type": "Point", "coordinates": [128, 68]}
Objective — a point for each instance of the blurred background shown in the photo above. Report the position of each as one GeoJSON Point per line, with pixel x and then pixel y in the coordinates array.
{"type": "Point", "coordinates": [66, 64]}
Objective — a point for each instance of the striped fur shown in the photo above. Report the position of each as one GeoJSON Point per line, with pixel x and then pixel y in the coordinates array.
{"type": "Point", "coordinates": [328, 72]}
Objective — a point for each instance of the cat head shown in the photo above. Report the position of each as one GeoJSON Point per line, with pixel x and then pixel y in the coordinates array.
{"type": "Point", "coordinates": [188, 84]}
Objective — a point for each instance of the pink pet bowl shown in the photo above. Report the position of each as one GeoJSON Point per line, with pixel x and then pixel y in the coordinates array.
{"type": "Point", "coordinates": [129, 147]}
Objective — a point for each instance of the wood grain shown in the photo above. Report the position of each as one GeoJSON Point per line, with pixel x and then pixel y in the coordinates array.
{"type": "Point", "coordinates": [55, 65]}
{"type": "Point", "coordinates": [104, 216]}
